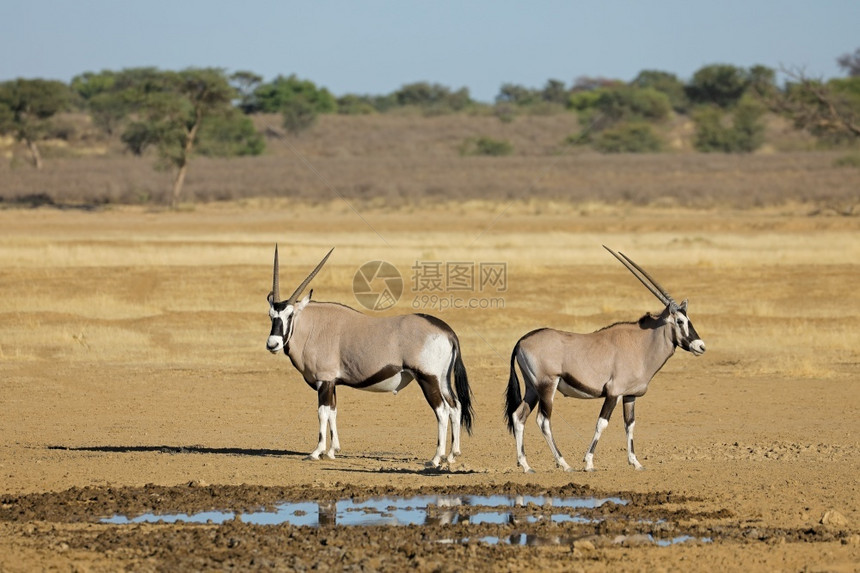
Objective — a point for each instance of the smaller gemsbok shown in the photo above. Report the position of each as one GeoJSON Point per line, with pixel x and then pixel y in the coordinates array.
{"type": "Point", "coordinates": [334, 345]}
{"type": "Point", "coordinates": [615, 363]}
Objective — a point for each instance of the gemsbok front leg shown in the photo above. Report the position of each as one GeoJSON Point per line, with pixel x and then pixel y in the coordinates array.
{"type": "Point", "coordinates": [629, 422]}
{"type": "Point", "coordinates": [602, 421]}
{"type": "Point", "coordinates": [327, 411]}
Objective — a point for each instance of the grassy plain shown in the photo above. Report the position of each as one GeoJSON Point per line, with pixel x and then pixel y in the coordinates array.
{"type": "Point", "coordinates": [132, 349]}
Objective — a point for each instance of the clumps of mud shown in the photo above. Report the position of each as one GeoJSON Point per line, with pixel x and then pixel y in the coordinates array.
{"type": "Point", "coordinates": [91, 504]}
{"type": "Point", "coordinates": [70, 521]}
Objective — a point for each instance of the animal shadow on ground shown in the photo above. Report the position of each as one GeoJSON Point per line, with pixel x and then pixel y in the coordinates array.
{"type": "Point", "coordinates": [163, 449]}
{"type": "Point", "coordinates": [425, 471]}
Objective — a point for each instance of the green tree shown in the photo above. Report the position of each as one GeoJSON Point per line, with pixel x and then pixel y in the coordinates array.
{"type": "Point", "coordinates": [173, 107]}
{"type": "Point", "coordinates": [719, 84]}
{"type": "Point", "coordinates": [246, 83]}
{"type": "Point", "coordinates": [433, 97]}
{"type": "Point", "coordinates": [850, 63]}
{"type": "Point", "coordinates": [741, 131]}
{"type": "Point", "coordinates": [351, 104]}
{"type": "Point", "coordinates": [665, 83]}
{"type": "Point", "coordinates": [26, 108]}
{"type": "Point", "coordinates": [230, 135]}
{"type": "Point", "coordinates": [282, 92]}
{"type": "Point", "coordinates": [90, 84]}
{"type": "Point", "coordinates": [299, 115]}
{"type": "Point", "coordinates": [628, 137]}
{"type": "Point", "coordinates": [554, 92]}
{"type": "Point", "coordinates": [602, 108]}
{"type": "Point", "coordinates": [99, 97]}
{"type": "Point", "coordinates": [631, 103]}
{"type": "Point", "coordinates": [517, 95]}
{"type": "Point", "coordinates": [762, 79]}
{"type": "Point", "coordinates": [747, 125]}
{"type": "Point", "coordinates": [830, 110]}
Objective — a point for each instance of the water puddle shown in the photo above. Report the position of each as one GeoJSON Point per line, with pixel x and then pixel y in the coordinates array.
{"type": "Point", "coordinates": [536, 540]}
{"type": "Point", "coordinates": [429, 510]}
{"type": "Point", "coordinates": [417, 510]}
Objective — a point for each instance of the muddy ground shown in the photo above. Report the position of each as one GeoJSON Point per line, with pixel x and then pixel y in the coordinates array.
{"type": "Point", "coordinates": [134, 379]}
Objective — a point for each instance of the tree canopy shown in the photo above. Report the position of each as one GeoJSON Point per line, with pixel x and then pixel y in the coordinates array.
{"type": "Point", "coordinates": [26, 107]}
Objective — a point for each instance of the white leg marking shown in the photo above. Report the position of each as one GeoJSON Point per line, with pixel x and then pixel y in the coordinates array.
{"type": "Point", "coordinates": [442, 425]}
{"type": "Point", "coordinates": [456, 417]}
{"type": "Point", "coordinates": [519, 429]}
{"type": "Point", "coordinates": [335, 442]}
{"type": "Point", "coordinates": [589, 457]}
{"type": "Point", "coordinates": [323, 413]}
{"type": "Point", "coordinates": [521, 454]}
{"type": "Point", "coordinates": [631, 457]}
{"type": "Point", "coordinates": [544, 425]}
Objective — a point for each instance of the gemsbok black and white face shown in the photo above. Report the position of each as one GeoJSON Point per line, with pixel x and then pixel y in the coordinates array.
{"type": "Point", "coordinates": [683, 332]}
{"type": "Point", "coordinates": [283, 313]}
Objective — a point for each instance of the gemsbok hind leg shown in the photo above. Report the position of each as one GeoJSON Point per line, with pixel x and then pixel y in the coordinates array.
{"type": "Point", "coordinates": [456, 416]}
{"type": "Point", "coordinates": [433, 394]}
{"type": "Point", "coordinates": [629, 422]}
{"type": "Point", "coordinates": [520, 416]}
{"type": "Point", "coordinates": [602, 421]}
{"type": "Point", "coordinates": [327, 412]}
{"type": "Point", "coordinates": [543, 416]}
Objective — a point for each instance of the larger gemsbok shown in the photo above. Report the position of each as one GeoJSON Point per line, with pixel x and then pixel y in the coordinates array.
{"type": "Point", "coordinates": [615, 363]}
{"type": "Point", "coordinates": [334, 345]}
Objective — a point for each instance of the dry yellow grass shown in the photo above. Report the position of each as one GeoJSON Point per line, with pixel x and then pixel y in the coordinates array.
{"type": "Point", "coordinates": [128, 328]}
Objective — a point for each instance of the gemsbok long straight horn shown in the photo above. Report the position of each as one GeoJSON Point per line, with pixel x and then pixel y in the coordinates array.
{"type": "Point", "coordinates": [615, 363]}
{"type": "Point", "coordinates": [334, 345]}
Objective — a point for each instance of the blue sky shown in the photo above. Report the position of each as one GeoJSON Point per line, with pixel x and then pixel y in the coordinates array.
{"type": "Point", "coordinates": [377, 46]}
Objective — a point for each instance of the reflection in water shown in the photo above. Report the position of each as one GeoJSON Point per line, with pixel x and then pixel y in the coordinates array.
{"type": "Point", "coordinates": [417, 510]}
{"type": "Point", "coordinates": [427, 510]}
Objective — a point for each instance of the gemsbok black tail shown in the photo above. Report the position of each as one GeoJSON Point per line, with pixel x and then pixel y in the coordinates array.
{"type": "Point", "coordinates": [464, 392]}
{"type": "Point", "coordinates": [513, 395]}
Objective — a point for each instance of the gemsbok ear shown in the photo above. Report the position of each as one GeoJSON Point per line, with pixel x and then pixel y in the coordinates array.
{"type": "Point", "coordinates": [304, 302]}
{"type": "Point", "coordinates": [683, 306]}
{"type": "Point", "coordinates": [271, 297]}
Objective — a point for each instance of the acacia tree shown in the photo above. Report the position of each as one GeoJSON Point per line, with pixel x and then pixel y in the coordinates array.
{"type": "Point", "coordinates": [26, 107]}
{"type": "Point", "coordinates": [722, 85]}
{"type": "Point", "coordinates": [172, 108]}
{"type": "Point", "coordinates": [827, 109]}
{"type": "Point", "coordinates": [850, 63]}
{"type": "Point", "coordinates": [101, 97]}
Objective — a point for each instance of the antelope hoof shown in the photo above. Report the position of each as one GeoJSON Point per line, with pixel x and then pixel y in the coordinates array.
{"type": "Point", "coordinates": [313, 456]}
{"type": "Point", "coordinates": [330, 455]}
{"type": "Point", "coordinates": [589, 468]}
